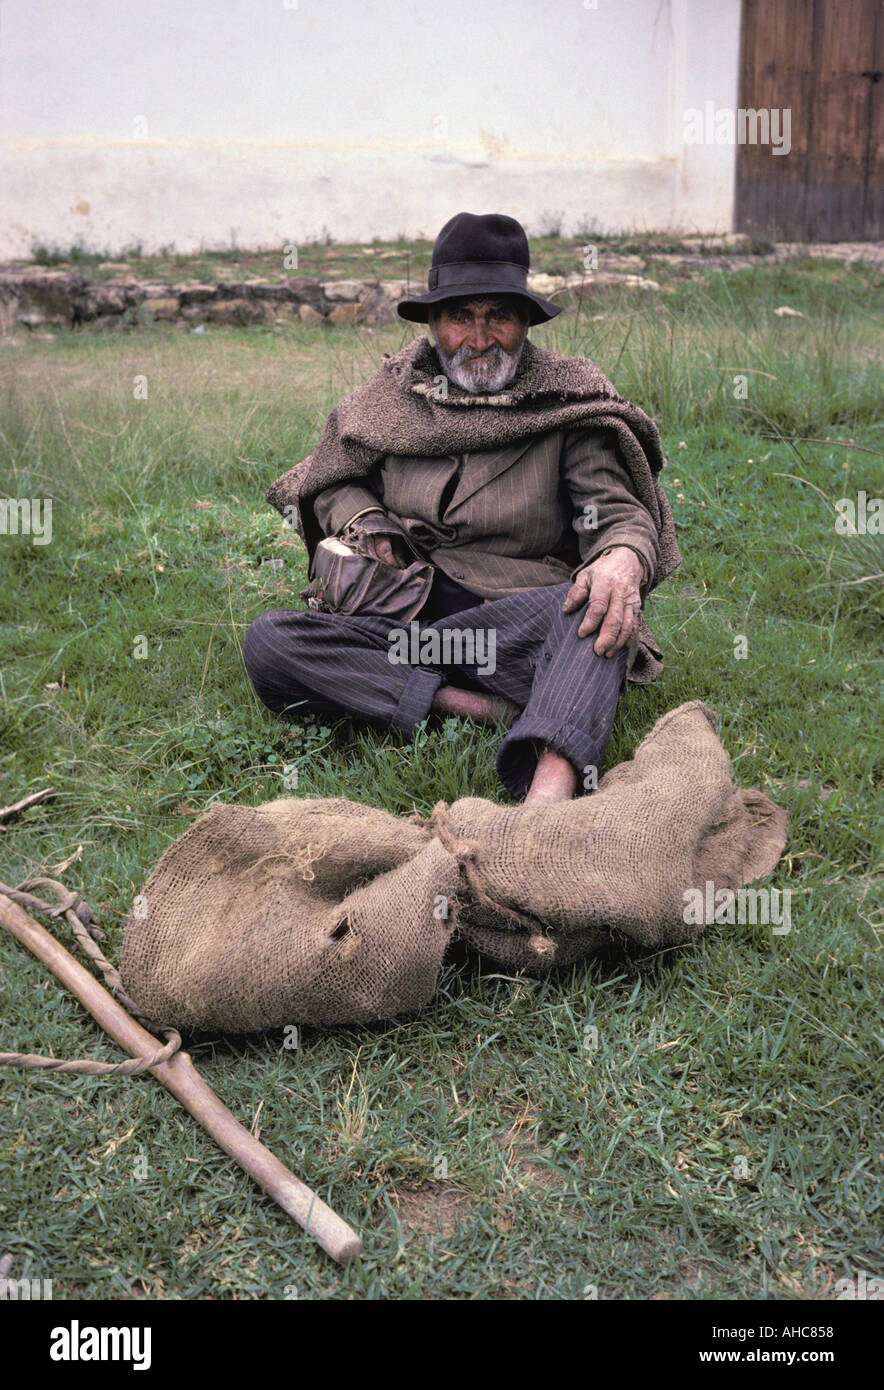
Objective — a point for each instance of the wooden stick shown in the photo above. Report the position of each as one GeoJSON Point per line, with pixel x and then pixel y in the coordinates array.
{"type": "Point", "coordinates": [179, 1076]}
{"type": "Point", "coordinates": [7, 812]}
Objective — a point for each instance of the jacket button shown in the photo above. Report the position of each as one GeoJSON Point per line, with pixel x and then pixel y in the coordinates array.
{"type": "Point", "coordinates": [456, 574]}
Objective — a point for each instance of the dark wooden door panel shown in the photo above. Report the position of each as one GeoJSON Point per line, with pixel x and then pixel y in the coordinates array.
{"type": "Point", "coordinates": [823, 60]}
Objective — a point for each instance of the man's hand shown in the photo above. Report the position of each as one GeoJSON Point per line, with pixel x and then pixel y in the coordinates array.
{"type": "Point", "coordinates": [382, 541]}
{"type": "Point", "coordinates": [611, 584]}
{"type": "Point", "coordinates": [389, 549]}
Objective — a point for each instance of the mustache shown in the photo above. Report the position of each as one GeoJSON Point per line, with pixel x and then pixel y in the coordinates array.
{"type": "Point", "coordinates": [475, 371]}
{"type": "Point", "coordinates": [465, 354]}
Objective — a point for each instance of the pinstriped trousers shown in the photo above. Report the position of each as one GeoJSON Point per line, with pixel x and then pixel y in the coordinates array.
{"type": "Point", "coordinates": [325, 663]}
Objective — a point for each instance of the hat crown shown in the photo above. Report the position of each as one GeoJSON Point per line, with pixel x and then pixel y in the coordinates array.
{"type": "Point", "coordinates": [489, 236]}
{"type": "Point", "coordinates": [474, 256]}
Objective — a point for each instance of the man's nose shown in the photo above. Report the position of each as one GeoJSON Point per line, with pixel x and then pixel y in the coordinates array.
{"type": "Point", "coordinates": [480, 337]}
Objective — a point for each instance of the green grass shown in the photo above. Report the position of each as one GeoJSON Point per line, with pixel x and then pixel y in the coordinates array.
{"type": "Point", "coordinates": [567, 1166]}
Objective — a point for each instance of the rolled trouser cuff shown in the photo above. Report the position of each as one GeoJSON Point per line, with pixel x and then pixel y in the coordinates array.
{"type": "Point", "coordinates": [519, 753]}
{"type": "Point", "coordinates": [415, 700]}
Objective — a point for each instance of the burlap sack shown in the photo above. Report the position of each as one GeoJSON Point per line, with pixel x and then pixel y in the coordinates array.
{"type": "Point", "coordinates": [329, 911]}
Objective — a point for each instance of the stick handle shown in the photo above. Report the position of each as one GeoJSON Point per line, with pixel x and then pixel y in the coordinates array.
{"type": "Point", "coordinates": [180, 1077]}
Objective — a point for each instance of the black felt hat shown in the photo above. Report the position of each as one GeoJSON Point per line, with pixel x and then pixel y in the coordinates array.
{"type": "Point", "coordinates": [479, 255]}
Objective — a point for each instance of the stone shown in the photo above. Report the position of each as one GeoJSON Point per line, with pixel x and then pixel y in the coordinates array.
{"type": "Point", "coordinates": [195, 292]}
{"type": "Point", "coordinates": [546, 284]}
{"type": "Point", "coordinates": [236, 311]}
{"type": "Point", "coordinates": [377, 308]}
{"type": "Point", "coordinates": [166, 308]}
{"type": "Point", "coordinates": [579, 287]}
{"type": "Point", "coordinates": [105, 297]}
{"type": "Point", "coordinates": [276, 293]}
{"type": "Point", "coordinates": [107, 321]}
{"type": "Point", "coordinates": [394, 289]}
{"type": "Point", "coordinates": [8, 311]}
{"type": "Point", "coordinates": [303, 290]}
{"type": "Point", "coordinates": [347, 290]}
{"type": "Point", "coordinates": [307, 314]}
{"type": "Point", "coordinates": [636, 282]}
{"type": "Point", "coordinates": [51, 295]}
{"type": "Point", "coordinates": [344, 315]}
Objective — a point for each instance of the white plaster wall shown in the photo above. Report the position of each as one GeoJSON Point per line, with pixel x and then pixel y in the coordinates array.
{"type": "Point", "coordinates": [193, 123]}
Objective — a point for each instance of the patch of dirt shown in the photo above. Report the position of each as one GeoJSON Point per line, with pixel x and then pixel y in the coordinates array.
{"type": "Point", "coordinates": [529, 1164]}
{"type": "Point", "coordinates": [434, 1208]}
{"type": "Point", "coordinates": [527, 1161]}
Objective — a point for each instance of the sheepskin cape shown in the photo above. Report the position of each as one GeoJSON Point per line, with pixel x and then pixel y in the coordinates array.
{"type": "Point", "coordinates": [401, 410]}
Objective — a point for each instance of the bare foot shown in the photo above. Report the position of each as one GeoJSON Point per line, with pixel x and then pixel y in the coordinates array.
{"type": "Point", "coordinates": [473, 704]}
{"type": "Point", "coordinates": [555, 779]}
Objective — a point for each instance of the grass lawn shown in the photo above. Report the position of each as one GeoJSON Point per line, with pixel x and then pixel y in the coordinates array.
{"type": "Point", "coordinates": [724, 1139]}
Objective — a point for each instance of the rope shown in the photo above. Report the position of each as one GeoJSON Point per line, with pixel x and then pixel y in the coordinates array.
{"type": "Point", "coordinates": [466, 853]}
{"type": "Point", "coordinates": [81, 920]}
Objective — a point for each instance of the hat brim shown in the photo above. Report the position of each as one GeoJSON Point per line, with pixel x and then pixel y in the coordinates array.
{"type": "Point", "coordinates": [417, 310]}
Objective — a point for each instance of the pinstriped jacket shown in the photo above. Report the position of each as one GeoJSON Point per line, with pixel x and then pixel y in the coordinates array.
{"type": "Point", "coordinates": [504, 520]}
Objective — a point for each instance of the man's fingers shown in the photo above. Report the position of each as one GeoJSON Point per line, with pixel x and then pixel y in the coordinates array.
{"type": "Point", "coordinates": [614, 602]}
{"type": "Point", "coordinates": [610, 641]}
{"type": "Point", "coordinates": [599, 598]}
{"type": "Point", "coordinates": [594, 614]}
{"type": "Point", "coordinates": [576, 595]}
{"type": "Point", "coordinates": [610, 628]}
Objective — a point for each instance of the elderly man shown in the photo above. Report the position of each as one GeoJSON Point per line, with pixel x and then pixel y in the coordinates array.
{"type": "Point", "coordinates": [528, 484]}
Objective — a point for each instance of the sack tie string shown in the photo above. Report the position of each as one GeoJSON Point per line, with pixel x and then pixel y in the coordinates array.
{"type": "Point", "coordinates": [466, 853]}
{"type": "Point", "coordinates": [81, 919]}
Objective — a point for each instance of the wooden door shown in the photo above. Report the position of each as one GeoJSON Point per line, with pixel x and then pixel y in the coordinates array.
{"type": "Point", "coordinates": [824, 60]}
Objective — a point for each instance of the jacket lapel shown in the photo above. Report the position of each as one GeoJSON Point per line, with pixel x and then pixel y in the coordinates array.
{"type": "Point", "coordinates": [481, 469]}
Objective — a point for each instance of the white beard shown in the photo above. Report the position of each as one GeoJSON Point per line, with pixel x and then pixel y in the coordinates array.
{"type": "Point", "coordinates": [482, 375]}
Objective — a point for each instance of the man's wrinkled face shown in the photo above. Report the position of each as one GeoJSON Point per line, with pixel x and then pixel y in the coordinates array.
{"type": "Point", "coordinates": [480, 341]}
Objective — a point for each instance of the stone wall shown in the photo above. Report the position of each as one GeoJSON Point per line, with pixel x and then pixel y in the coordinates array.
{"type": "Point", "coordinates": [39, 299]}
{"type": "Point", "coordinates": [36, 299]}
